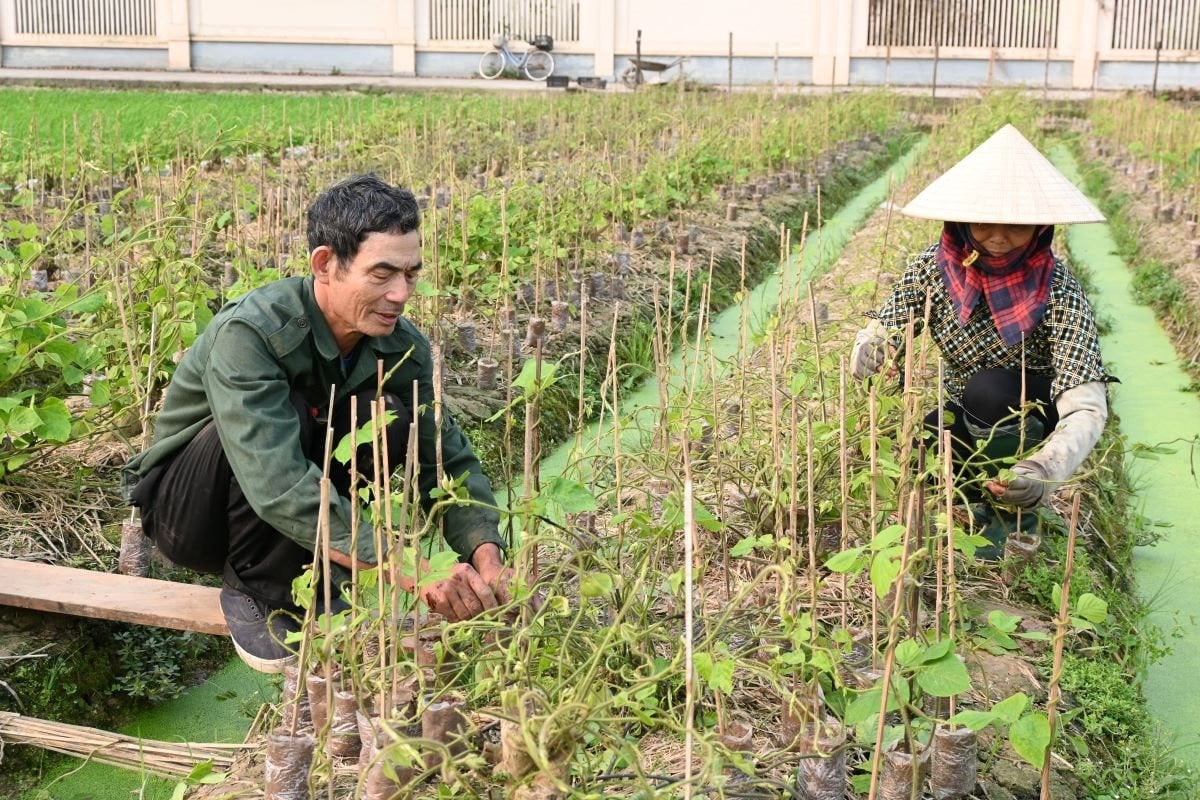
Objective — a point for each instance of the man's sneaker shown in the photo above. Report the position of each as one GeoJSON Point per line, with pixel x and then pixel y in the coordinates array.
{"type": "Point", "coordinates": [258, 630]}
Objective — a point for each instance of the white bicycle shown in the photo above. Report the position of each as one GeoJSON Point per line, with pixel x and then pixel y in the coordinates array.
{"type": "Point", "coordinates": [536, 62]}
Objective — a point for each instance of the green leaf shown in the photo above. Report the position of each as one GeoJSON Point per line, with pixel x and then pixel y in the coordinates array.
{"type": "Point", "coordinates": [908, 652]}
{"type": "Point", "coordinates": [1010, 709]}
{"type": "Point", "coordinates": [56, 420]}
{"type": "Point", "coordinates": [1002, 621]}
{"type": "Point", "coordinates": [887, 537]}
{"type": "Point", "coordinates": [363, 436]}
{"type": "Point", "coordinates": [302, 589]}
{"type": "Point", "coordinates": [744, 547]}
{"type": "Point", "coordinates": [1092, 608]}
{"type": "Point", "coordinates": [22, 419]}
{"type": "Point", "coordinates": [975, 720]}
{"type": "Point", "coordinates": [597, 584]}
{"type": "Point", "coordinates": [793, 658]}
{"type": "Point", "coordinates": [845, 561]}
{"type": "Point", "coordinates": [1030, 737]}
{"type": "Point", "coordinates": [937, 651]}
{"type": "Point", "coordinates": [572, 496]}
{"type": "Point", "coordinates": [528, 382]}
{"type": "Point", "coordinates": [99, 394]}
{"type": "Point", "coordinates": [87, 304]}
{"type": "Point", "coordinates": [945, 677]}
{"type": "Point", "coordinates": [204, 773]}
{"type": "Point", "coordinates": [717, 673]}
{"type": "Point", "coordinates": [863, 707]}
{"type": "Point", "coordinates": [884, 569]}
{"type": "Point", "coordinates": [997, 642]}
{"type": "Point", "coordinates": [438, 569]}
{"type": "Point", "coordinates": [705, 518]}
{"type": "Point", "coordinates": [28, 251]}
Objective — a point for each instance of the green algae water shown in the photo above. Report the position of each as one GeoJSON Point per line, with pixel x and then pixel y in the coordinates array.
{"type": "Point", "coordinates": [822, 249]}
{"type": "Point", "coordinates": [219, 710]}
{"type": "Point", "coordinates": [223, 708]}
{"type": "Point", "coordinates": [1155, 406]}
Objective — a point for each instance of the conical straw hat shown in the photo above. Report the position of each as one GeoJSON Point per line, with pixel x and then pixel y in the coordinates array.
{"type": "Point", "coordinates": [1005, 180]}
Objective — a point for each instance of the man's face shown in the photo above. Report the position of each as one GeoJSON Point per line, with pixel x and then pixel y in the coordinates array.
{"type": "Point", "coordinates": [366, 296]}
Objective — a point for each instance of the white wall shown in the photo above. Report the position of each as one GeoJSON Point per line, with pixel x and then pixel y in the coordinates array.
{"type": "Point", "coordinates": [702, 27]}
{"type": "Point", "coordinates": [817, 41]}
{"type": "Point", "coordinates": [358, 21]}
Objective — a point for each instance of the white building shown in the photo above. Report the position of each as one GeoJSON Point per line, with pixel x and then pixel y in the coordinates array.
{"type": "Point", "coordinates": [1080, 44]}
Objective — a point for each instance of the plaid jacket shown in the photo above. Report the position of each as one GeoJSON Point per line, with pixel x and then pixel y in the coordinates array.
{"type": "Point", "coordinates": [1064, 346]}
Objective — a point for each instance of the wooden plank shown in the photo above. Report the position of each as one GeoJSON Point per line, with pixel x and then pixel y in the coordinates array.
{"type": "Point", "coordinates": [105, 595]}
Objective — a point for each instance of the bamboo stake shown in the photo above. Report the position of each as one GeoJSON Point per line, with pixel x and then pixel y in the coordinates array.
{"type": "Point", "coordinates": [816, 337]}
{"type": "Point", "coordinates": [951, 589]}
{"type": "Point", "coordinates": [873, 434]}
{"type": "Point", "coordinates": [890, 657]}
{"type": "Point", "coordinates": [812, 520]}
{"type": "Point", "coordinates": [689, 526]}
{"type": "Point", "coordinates": [1062, 624]}
{"type": "Point", "coordinates": [843, 485]}
{"type": "Point", "coordinates": [326, 580]}
{"type": "Point", "coordinates": [408, 508]}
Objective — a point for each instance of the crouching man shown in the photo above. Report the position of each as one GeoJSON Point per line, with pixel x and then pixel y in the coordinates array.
{"type": "Point", "coordinates": [231, 483]}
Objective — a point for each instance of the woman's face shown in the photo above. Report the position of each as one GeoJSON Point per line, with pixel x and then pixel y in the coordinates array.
{"type": "Point", "coordinates": [999, 239]}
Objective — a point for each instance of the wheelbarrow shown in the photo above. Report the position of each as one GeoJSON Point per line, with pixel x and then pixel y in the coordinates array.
{"type": "Point", "coordinates": [639, 68]}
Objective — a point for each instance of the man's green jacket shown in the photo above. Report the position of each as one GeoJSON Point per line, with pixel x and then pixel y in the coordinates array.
{"type": "Point", "coordinates": [240, 373]}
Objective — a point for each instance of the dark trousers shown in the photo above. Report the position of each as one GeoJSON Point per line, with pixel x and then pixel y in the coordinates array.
{"type": "Point", "coordinates": [194, 509]}
{"type": "Point", "coordinates": [989, 400]}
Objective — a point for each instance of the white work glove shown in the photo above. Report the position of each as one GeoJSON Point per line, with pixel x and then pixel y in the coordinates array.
{"type": "Point", "coordinates": [870, 349]}
{"type": "Point", "coordinates": [1029, 487]}
{"type": "Point", "coordinates": [1082, 412]}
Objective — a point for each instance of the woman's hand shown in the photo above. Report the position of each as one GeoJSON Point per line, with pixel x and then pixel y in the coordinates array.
{"type": "Point", "coordinates": [870, 350]}
{"type": "Point", "coordinates": [1027, 489]}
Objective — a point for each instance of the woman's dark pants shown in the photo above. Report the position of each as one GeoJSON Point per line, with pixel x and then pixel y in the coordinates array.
{"type": "Point", "coordinates": [989, 401]}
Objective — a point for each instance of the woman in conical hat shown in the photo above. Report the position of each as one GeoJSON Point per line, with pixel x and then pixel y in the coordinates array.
{"type": "Point", "coordinates": [1002, 301]}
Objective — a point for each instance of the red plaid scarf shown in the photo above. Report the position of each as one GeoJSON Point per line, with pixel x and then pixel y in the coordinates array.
{"type": "Point", "coordinates": [1016, 284]}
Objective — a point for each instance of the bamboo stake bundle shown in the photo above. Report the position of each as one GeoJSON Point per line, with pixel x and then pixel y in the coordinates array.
{"type": "Point", "coordinates": [169, 759]}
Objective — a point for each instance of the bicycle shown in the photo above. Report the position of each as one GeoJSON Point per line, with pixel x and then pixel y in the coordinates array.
{"type": "Point", "coordinates": [536, 62]}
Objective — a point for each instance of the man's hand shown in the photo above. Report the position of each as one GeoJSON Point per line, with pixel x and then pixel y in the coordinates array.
{"type": "Point", "coordinates": [1028, 487]}
{"type": "Point", "coordinates": [471, 588]}
{"type": "Point", "coordinates": [489, 563]}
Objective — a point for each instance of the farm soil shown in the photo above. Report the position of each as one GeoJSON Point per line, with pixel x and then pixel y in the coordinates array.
{"type": "Point", "coordinates": [720, 250]}
{"type": "Point", "coordinates": [872, 258]}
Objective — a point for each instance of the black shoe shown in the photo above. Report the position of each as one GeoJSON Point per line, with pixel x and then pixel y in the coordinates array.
{"type": "Point", "coordinates": [258, 630]}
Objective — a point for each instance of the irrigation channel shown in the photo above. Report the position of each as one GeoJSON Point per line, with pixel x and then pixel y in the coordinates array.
{"type": "Point", "coordinates": [1155, 407]}
{"type": "Point", "coordinates": [222, 708]}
